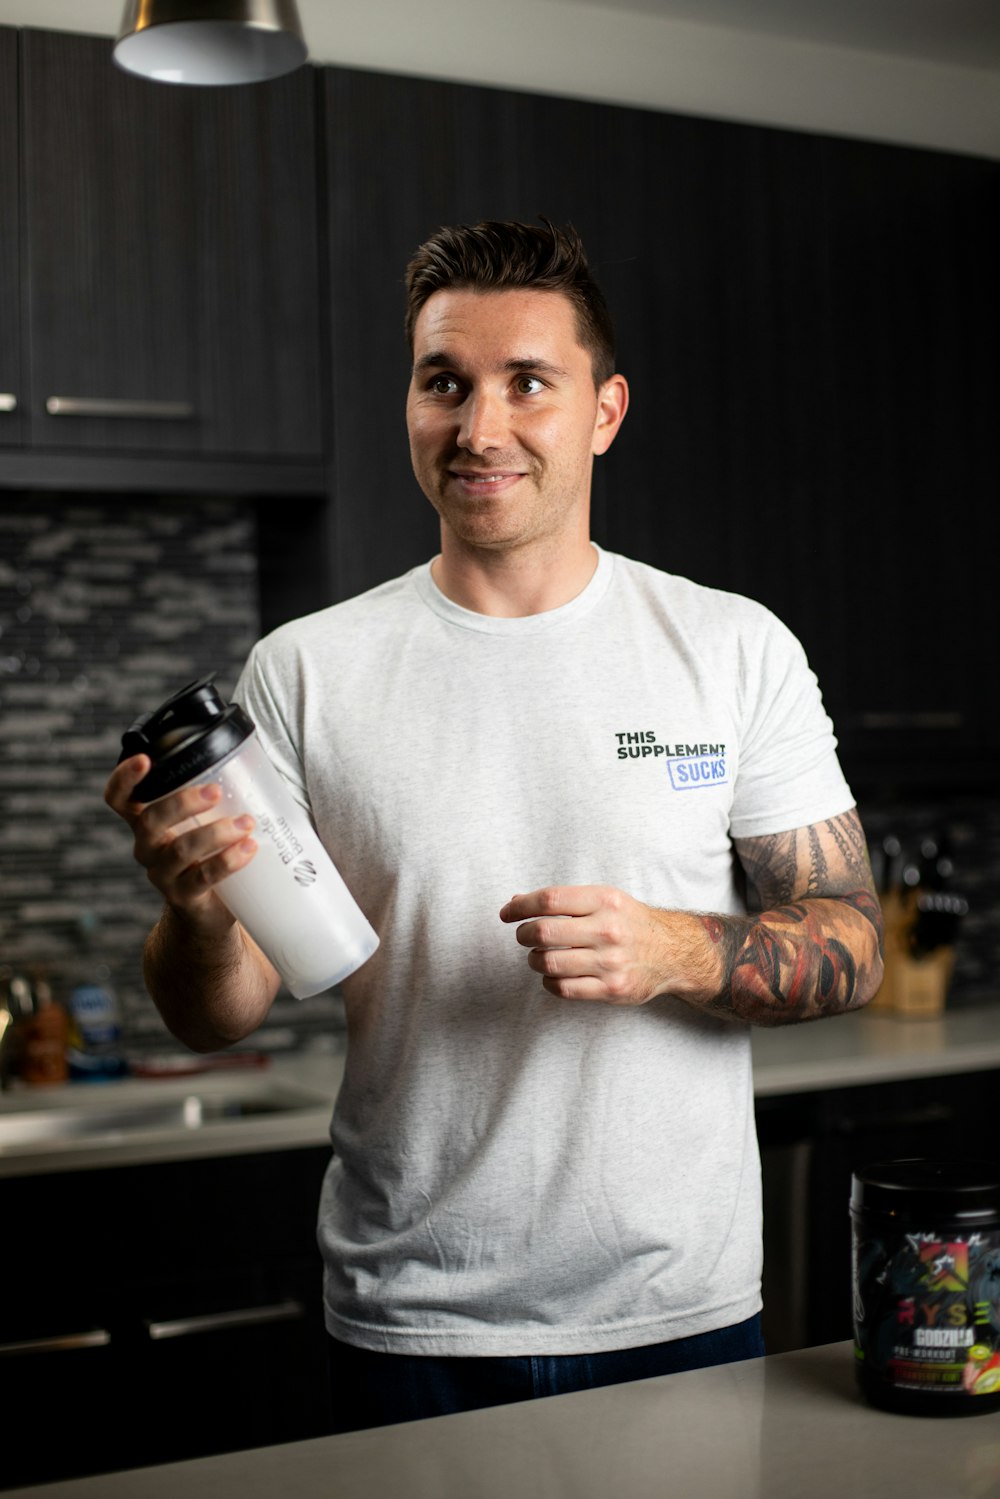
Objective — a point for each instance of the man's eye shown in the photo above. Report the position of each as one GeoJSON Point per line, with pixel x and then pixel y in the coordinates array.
{"type": "Point", "coordinates": [528, 385]}
{"type": "Point", "coordinates": [443, 385]}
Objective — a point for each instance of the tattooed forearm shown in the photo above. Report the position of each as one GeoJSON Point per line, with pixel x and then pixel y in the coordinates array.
{"type": "Point", "coordinates": [810, 958]}
{"type": "Point", "coordinates": [816, 946]}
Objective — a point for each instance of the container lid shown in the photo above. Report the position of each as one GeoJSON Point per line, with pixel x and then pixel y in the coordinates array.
{"type": "Point", "coordinates": [964, 1189]}
{"type": "Point", "coordinates": [185, 736]}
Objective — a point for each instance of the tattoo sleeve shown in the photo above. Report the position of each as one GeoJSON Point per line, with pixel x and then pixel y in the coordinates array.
{"type": "Point", "coordinates": [815, 947]}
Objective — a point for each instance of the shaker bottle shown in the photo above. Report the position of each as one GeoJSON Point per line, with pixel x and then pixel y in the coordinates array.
{"type": "Point", "coordinates": [290, 897]}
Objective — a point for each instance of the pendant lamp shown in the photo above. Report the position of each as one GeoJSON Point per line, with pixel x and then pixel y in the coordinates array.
{"type": "Point", "coordinates": [210, 41]}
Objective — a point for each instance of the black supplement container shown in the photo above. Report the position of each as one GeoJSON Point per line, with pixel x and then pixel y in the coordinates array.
{"type": "Point", "coordinates": [926, 1278]}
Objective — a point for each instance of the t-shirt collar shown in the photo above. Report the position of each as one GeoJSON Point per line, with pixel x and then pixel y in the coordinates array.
{"type": "Point", "coordinates": [528, 624]}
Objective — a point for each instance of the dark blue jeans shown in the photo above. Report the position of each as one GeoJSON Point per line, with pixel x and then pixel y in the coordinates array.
{"type": "Point", "coordinates": [378, 1389]}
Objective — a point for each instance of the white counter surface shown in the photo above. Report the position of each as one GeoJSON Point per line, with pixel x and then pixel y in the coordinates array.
{"type": "Point", "coordinates": [286, 1104]}
{"type": "Point", "coordinates": [848, 1050]}
{"type": "Point", "coordinates": [784, 1427]}
{"type": "Point", "coordinates": [871, 1046]}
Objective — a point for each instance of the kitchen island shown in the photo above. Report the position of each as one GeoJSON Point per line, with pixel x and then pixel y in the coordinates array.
{"type": "Point", "coordinates": [193, 1199]}
{"type": "Point", "coordinates": [783, 1427]}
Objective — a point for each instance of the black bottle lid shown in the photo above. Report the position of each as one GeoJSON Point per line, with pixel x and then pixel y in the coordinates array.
{"type": "Point", "coordinates": [957, 1191]}
{"type": "Point", "coordinates": [185, 736]}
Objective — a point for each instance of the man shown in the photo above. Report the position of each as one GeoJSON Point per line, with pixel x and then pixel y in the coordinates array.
{"type": "Point", "coordinates": [545, 1171]}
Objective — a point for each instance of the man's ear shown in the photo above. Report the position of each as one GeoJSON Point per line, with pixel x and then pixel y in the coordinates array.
{"type": "Point", "coordinates": [612, 404]}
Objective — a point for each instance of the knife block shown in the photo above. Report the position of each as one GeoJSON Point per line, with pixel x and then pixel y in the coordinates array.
{"type": "Point", "coordinates": [912, 987]}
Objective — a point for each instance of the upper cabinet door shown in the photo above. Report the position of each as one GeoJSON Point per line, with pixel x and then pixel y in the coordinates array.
{"type": "Point", "coordinates": [10, 334]}
{"type": "Point", "coordinates": [171, 247]}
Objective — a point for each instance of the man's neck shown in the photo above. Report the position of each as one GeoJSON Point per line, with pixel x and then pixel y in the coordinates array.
{"type": "Point", "coordinates": [511, 585]}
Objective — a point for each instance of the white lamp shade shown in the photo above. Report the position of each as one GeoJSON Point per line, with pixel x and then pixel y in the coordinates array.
{"type": "Point", "coordinates": [214, 42]}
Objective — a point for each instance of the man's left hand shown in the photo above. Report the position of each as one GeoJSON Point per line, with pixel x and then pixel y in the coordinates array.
{"type": "Point", "coordinates": [593, 942]}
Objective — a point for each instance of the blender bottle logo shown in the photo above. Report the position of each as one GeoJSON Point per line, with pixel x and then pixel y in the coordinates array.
{"type": "Point", "coordinates": [305, 872]}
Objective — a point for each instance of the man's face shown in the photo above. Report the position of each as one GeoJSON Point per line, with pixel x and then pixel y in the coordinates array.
{"type": "Point", "coordinates": [504, 417]}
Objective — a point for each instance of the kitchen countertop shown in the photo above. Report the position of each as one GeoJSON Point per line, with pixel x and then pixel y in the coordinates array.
{"type": "Point", "coordinates": [773, 1428]}
{"type": "Point", "coordinates": [286, 1105]}
{"type": "Point", "coordinates": [845, 1051]}
{"type": "Point", "coordinates": [871, 1046]}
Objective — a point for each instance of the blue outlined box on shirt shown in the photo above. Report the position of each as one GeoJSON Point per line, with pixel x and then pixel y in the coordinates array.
{"type": "Point", "coordinates": [698, 771]}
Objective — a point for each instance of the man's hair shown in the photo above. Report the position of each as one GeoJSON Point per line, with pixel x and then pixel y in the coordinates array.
{"type": "Point", "coordinates": [495, 256]}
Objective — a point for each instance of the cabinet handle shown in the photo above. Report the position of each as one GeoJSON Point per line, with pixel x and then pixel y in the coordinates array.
{"type": "Point", "coordinates": [175, 411]}
{"type": "Point", "coordinates": [98, 1338]}
{"type": "Point", "coordinates": [927, 719]}
{"type": "Point", "coordinates": [916, 1118]}
{"type": "Point", "coordinates": [250, 1316]}
{"type": "Point", "coordinates": [8, 403]}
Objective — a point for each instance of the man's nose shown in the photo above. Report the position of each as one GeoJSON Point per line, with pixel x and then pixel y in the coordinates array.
{"type": "Point", "coordinates": [482, 422]}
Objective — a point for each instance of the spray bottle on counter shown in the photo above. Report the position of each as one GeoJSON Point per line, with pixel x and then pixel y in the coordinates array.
{"type": "Point", "coordinates": [94, 1053]}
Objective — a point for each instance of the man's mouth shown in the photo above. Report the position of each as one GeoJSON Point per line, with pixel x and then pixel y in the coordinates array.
{"type": "Point", "coordinates": [482, 481]}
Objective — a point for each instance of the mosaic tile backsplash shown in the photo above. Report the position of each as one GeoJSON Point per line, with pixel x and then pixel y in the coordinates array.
{"type": "Point", "coordinates": [107, 607]}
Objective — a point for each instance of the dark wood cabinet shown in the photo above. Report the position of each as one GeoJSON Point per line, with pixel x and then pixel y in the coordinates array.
{"type": "Point", "coordinates": [811, 329]}
{"type": "Point", "coordinates": [171, 260]}
{"type": "Point", "coordinates": [914, 343]}
{"type": "Point", "coordinates": [11, 384]}
{"type": "Point", "coordinates": [162, 1313]}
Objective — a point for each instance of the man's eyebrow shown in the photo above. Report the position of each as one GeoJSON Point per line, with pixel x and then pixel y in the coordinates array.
{"type": "Point", "coordinates": [528, 366]}
{"type": "Point", "coordinates": [440, 359]}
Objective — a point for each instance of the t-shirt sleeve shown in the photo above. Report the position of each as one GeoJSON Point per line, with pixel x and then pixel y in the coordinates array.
{"type": "Point", "coordinates": [275, 725]}
{"type": "Point", "coordinates": [789, 775]}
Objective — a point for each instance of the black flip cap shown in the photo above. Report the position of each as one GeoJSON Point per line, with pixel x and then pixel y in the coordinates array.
{"type": "Point", "coordinates": [184, 737]}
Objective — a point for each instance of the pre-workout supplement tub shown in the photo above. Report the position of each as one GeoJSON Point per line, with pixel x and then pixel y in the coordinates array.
{"type": "Point", "coordinates": [926, 1262]}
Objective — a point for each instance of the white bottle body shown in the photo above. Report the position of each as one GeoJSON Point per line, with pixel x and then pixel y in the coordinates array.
{"type": "Point", "coordinates": [291, 897]}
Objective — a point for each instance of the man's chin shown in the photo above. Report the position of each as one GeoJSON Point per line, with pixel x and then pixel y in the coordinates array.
{"type": "Point", "coordinates": [478, 521]}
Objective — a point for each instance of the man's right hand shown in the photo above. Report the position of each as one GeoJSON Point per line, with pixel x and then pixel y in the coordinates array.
{"type": "Point", "coordinates": [183, 859]}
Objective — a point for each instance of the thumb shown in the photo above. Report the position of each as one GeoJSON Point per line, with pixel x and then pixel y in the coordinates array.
{"type": "Point", "coordinates": [123, 781]}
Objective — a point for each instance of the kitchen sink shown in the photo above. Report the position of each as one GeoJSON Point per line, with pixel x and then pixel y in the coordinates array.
{"type": "Point", "coordinates": [192, 1111]}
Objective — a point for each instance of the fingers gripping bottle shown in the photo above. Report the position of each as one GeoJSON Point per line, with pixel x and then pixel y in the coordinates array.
{"type": "Point", "coordinates": [290, 897]}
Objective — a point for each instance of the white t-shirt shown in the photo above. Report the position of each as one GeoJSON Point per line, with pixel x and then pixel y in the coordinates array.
{"type": "Point", "coordinates": [516, 1173]}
